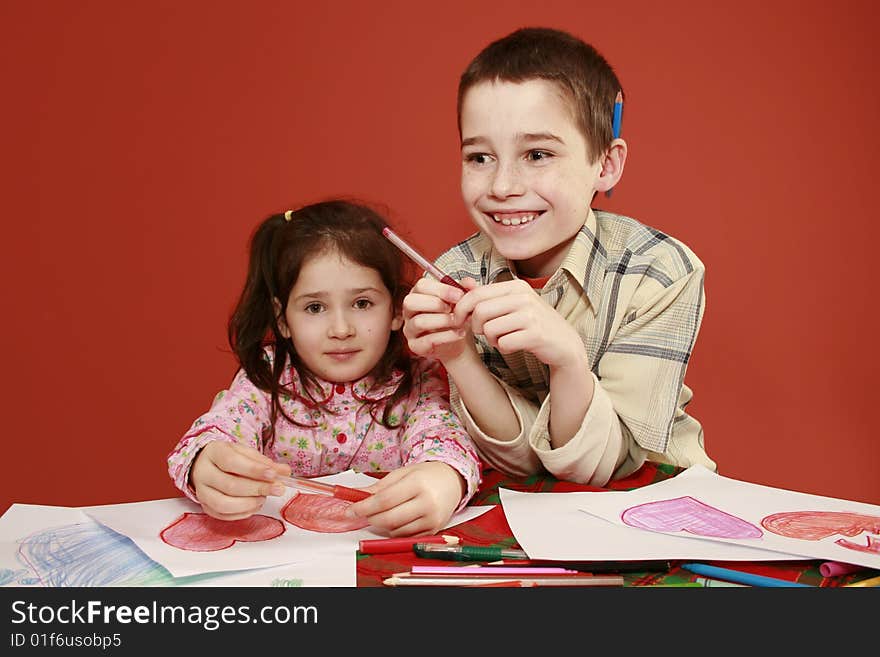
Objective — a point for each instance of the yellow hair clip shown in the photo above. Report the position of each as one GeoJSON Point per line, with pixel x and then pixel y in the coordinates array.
{"type": "Point", "coordinates": [288, 214]}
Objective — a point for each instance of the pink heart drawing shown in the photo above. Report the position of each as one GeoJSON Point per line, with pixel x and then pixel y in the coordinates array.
{"type": "Point", "coordinates": [320, 513]}
{"type": "Point", "coordinates": [199, 532]}
{"type": "Point", "coordinates": [687, 514]}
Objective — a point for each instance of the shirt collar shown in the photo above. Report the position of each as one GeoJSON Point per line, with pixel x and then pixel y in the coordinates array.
{"type": "Point", "coordinates": [364, 389]}
{"type": "Point", "coordinates": [586, 260]}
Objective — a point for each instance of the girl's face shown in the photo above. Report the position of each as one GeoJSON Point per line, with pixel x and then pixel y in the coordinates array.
{"type": "Point", "coordinates": [339, 316]}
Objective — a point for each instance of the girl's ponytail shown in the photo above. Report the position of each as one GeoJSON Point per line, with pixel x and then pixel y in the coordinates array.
{"type": "Point", "coordinates": [254, 318]}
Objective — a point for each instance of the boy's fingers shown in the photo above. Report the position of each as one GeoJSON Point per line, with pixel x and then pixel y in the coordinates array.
{"type": "Point", "coordinates": [432, 322]}
{"type": "Point", "coordinates": [428, 286]}
{"type": "Point", "coordinates": [424, 303]}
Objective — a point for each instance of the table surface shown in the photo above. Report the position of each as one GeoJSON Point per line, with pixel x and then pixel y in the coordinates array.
{"type": "Point", "coordinates": [491, 529]}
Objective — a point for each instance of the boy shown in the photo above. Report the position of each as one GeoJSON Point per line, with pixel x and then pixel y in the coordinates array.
{"type": "Point", "coordinates": [569, 349]}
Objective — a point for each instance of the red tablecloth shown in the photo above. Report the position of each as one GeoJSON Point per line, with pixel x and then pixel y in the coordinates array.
{"type": "Point", "coordinates": [491, 529]}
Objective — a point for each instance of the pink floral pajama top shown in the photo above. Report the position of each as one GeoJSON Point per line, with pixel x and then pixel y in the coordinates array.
{"type": "Point", "coordinates": [345, 438]}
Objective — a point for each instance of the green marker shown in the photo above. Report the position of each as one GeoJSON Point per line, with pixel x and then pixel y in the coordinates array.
{"type": "Point", "coordinates": [466, 552]}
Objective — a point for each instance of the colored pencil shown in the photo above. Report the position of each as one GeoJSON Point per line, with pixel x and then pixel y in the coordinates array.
{"type": "Point", "coordinates": [616, 122]}
{"type": "Point", "coordinates": [650, 565]}
{"type": "Point", "coordinates": [420, 260]}
{"type": "Point", "coordinates": [535, 580]}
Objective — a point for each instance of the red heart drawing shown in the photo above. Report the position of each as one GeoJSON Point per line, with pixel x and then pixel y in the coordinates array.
{"type": "Point", "coordinates": [320, 513]}
{"type": "Point", "coordinates": [687, 514]}
{"type": "Point", "coordinates": [199, 532]}
{"type": "Point", "coordinates": [816, 525]}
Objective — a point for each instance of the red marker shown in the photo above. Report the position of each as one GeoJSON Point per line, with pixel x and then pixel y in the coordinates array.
{"type": "Point", "coordinates": [420, 260]}
{"type": "Point", "coordinates": [387, 545]}
{"type": "Point", "coordinates": [339, 492]}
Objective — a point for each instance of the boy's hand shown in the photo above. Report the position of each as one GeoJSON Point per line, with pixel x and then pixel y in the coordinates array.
{"type": "Point", "coordinates": [232, 481]}
{"type": "Point", "coordinates": [415, 499]}
{"type": "Point", "coordinates": [428, 324]}
{"type": "Point", "coordinates": [513, 317]}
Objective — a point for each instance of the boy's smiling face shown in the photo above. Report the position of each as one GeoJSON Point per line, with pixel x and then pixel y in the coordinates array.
{"type": "Point", "coordinates": [526, 176]}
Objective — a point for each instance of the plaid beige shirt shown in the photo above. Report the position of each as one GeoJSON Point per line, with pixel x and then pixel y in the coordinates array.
{"type": "Point", "coordinates": [635, 296]}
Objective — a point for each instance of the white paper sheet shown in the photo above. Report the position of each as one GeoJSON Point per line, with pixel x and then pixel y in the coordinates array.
{"type": "Point", "coordinates": [142, 522]}
{"type": "Point", "coordinates": [737, 513]}
{"type": "Point", "coordinates": [61, 546]}
{"type": "Point", "coordinates": [552, 526]}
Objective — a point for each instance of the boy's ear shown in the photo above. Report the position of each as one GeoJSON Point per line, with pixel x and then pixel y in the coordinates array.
{"type": "Point", "coordinates": [612, 166]}
{"type": "Point", "coordinates": [279, 318]}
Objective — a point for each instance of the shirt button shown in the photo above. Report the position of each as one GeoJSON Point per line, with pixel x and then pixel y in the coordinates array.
{"type": "Point", "coordinates": [341, 438]}
{"type": "Point", "coordinates": [340, 388]}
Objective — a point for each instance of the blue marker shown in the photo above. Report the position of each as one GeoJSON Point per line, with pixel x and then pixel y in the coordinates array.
{"type": "Point", "coordinates": [738, 576]}
{"type": "Point", "coordinates": [616, 120]}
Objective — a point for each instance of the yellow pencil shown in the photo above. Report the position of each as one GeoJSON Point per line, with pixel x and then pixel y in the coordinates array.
{"type": "Point", "coordinates": [871, 581]}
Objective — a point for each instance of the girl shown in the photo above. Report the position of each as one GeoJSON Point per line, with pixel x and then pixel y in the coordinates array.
{"type": "Point", "coordinates": [325, 382]}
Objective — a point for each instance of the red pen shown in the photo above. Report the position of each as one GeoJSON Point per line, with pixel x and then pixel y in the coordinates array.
{"type": "Point", "coordinates": [339, 492]}
{"type": "Point", "coordinates": [420, 260]}
{"type": "Point", "coordinates": [388, 545]}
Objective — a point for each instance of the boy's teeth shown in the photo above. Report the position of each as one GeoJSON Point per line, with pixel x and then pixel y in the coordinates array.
{"type": "Point", "coordinates": [513, 221]}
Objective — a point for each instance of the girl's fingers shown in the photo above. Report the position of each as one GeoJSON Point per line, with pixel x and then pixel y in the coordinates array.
{"type": "Point", "coordinates": [225, 507]}
{"type": "Point", "coordinates": [390, 492]}
{"type": "Point", "coordinates": [246, 462]}
{"type": "Point", "coordinates": [421, 525]}
{"type": "Point", "coordinates": [401, 515]}
{"type": "Point", "coordinates": [233, 485]}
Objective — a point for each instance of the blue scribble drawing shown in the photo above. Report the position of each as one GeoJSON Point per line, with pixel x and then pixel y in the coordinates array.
{"type": "Point", "coordinates": [87, 554]}
{"type": "Point", "coordinates": [7, 575]}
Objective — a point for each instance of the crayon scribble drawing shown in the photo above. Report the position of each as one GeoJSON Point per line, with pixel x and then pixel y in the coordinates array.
{"type": "Point", "coordinates": [817, 525]}
{"type": "Point", "coordinates": [320, 513]}
{"type": "Point", "coordinates": [686, 514]}
{"type": "Point", "coordinates": [199, 532]}
{"type": "Point", "coordinates": [88, 554]}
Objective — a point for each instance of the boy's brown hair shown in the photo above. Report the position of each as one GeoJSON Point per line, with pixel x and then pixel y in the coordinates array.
{"type": "Point", "coordinates": [581, 73]}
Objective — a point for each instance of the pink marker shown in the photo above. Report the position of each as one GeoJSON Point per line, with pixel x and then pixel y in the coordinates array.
{"type": "Point", "coordinates": [832, 568]}
{"type": "Point", "coordinates": [420, 260]}
{"type": "Point", "coordinates": [480, 571]}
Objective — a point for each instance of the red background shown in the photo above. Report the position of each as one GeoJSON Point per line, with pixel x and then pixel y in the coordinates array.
{"type": "Point", "coordinates": [143, 141]}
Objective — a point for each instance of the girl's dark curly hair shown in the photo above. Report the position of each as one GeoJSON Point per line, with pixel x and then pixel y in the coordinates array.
{"type": "Point", "coordinates": [278, 249]}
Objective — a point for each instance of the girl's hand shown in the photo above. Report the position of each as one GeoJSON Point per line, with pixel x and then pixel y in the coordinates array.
{"type": "Point", "coordinates": [428, 323]}
{"type": "Point", "coordinates": [232, 481]}
{"type": "Point", "coordinates": [416, 499]}
{"type": "Point", "coordinates": [513, 317]}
